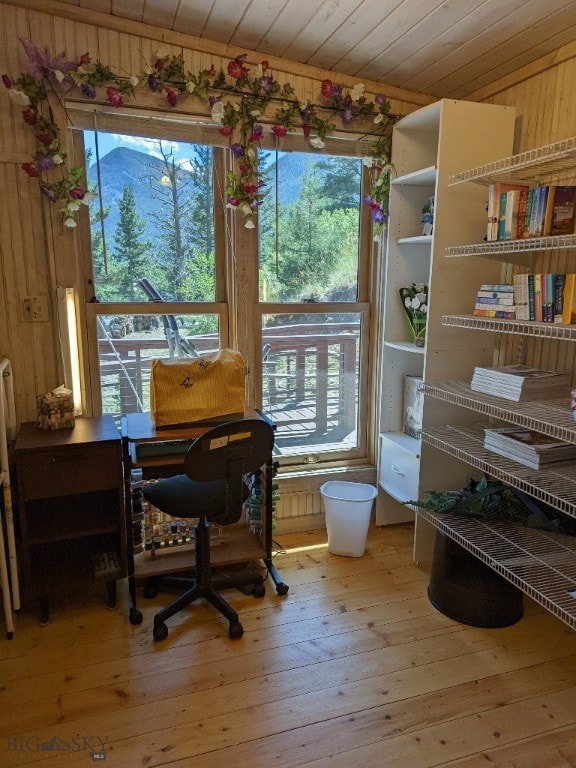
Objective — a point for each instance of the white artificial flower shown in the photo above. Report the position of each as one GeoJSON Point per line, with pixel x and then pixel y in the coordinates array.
{"type": "Point", "coordinates": [421, 297]}
{"type": "Point", "coordinates": [367, 161]}
{"type": "Point", "coordinates": [245, 208]}
{"type": "Point", "coordinates": [408, 302]}
{"type": "Point", "coordinates": [72, 207]}
{"type": "Point", "coordinates": [415, 303]}
{"type": "Point", "coordinates": [190, 86]}
{"type": "Point", "coordinates": [218, 112]}
{"type": "Point", "coordinates": [419, 287]}
{"type": "Point", "coordinates": [255, 112]}
{"type": "Point", "coordinates": [317, 143]}
{"type": "Point", "coordinates": [70, 222]}
{"type": "Point", "coordinates": [57, 159]}
{"type": "Point", "coordinates": [357, 92]}
{"type": "Point", "coordinates": [250, 153]}
{"type": "Point", "coordinates": [88, 198]}
{"type": "Point", "coordinates": [249, 224]}
{"type": "Point", "coordinates": [424, 308]}
{"type": "Point", "coordinates": [59, 75]}
{"type": "Point", "coordinates": [134, 80]}
{"type": "Point", "coordinates": [19, 97]}
{"type": "Point", "coordinates": [378, 118]}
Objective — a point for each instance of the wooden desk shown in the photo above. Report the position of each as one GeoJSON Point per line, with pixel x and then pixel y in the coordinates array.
{"type": "Point", "coordinates": [70, 507]}
{"type": "Point", "coordinates": [239, 545]}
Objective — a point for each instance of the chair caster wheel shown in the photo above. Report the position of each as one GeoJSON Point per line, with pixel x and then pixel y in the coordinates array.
{"type": "Point", "coordinates": [235, 630]}
{"type": "Point", "coordinates": [135, 617]}
{"type": "Point", "coordinates": [282, 589]}
{"type": "Point", "coordinates": [259, 590]}
{"type": "Point", "coordinates": [160, 631]}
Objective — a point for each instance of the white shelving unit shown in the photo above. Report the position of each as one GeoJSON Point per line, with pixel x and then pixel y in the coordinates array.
{"type": "Point", "coordinates": [540, 563]}
{"type": "Point", "coordinates": [428, 147]}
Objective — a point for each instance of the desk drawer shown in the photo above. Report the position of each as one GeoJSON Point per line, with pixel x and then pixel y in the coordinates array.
{"type": "Point", "coordinates": [70, 470]}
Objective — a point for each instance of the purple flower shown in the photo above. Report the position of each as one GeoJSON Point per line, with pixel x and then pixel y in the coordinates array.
{"type": "Point", "coordinates": [50, 194]}
{"type": "Point", "coordinates": [237, 150]}
{"type": "Point", "coordinates": [45, 163]}
{"type": "Point", "coordinates": [266, 83]}
{"type": "Point", "coordinates": [257, 133]}
{"type": "Point", "coordinates": [346, 116]}
{"type": "Point", "coordinates": [212, 100]}
{"type": "Point", "coordinates": [380, 99]}
{"type": "Point", "coordinates": [378, 215]}
{"type": "Point", "coordinates": [368, 200]}
{"type": "Point", "coordinates": [88, 90]}
{"type": "Point", "coordinates": [153, 83]}
{"type": "Point", "coordinates": [305, 115]}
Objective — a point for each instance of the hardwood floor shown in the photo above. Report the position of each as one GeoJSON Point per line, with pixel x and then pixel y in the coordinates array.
{"type": "Point", "coordinates": [354, 667]}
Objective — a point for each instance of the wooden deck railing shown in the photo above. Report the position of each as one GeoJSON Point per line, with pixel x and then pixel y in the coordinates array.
{"type": "Point", "coordinates": [309, 374]}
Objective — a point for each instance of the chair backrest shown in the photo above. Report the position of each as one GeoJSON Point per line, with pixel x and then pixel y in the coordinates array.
{"type": "Point", "coordinates": [227, 453]}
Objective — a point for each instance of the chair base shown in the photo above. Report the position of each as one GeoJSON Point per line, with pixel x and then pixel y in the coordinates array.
{"type": "Point", "coordinates": [160, 631]}
{"type": "Point", "coordinates": [205, 585]}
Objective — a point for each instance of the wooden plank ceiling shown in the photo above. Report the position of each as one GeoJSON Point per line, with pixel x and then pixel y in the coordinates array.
{"type": "Point", "coordinates": [444, 48]}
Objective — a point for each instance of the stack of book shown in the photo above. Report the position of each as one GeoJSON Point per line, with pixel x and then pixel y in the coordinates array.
{"type": "Point", "coordinates": [546, 297]}
{"type": "Point", "coordinates": [495, 301]}
{"type": "Point", "coordinates": [520, 383]}
{"type": "Point", "coordinates": [527, 447]}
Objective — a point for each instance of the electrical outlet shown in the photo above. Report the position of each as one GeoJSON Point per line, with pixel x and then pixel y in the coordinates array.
{"type": "Point", "coordinates": [35, 309]}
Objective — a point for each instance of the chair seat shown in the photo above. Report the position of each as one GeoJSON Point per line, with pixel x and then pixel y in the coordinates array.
{"type": "Point", "coordinates": [179, 496]}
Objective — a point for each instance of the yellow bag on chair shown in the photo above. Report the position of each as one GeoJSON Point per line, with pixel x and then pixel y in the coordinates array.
{"type": "Point", "coordinates": [183, 390]}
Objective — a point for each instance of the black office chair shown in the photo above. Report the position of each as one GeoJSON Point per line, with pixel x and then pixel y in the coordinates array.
{"type": "Point", "coordinates": [213, 490]}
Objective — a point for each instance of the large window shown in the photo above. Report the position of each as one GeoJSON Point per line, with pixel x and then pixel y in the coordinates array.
{"type": "Point", "coordinates": [165, 272]}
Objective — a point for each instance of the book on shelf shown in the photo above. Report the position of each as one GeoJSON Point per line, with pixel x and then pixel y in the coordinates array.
{"type": "Point", "coordinates": [569, 301]}
{"type": "Point", "coordinates": [527, 446]}
{"type": "Point", "coordinates": [502, 314]}
{"type": "Point", "coordinates": [521, 304]}
{"type": "Point", "coordinates": [560, 210]}
{"type": "Point", "coordinates": [495, 300]}
{"type": "Point", "coordinates": [519, 383]}
{"type": "Point", "coordinates": [559, 283]}
{"type": "Point", "coordinates": [497, 208]}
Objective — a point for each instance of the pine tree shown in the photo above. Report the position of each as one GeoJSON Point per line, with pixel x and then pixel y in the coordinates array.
{"type": "Point", "coordinates": [132, 254]}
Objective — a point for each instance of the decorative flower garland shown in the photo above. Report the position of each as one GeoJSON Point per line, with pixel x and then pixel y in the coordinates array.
{"type": "Point", "coordinates": [238, 100]}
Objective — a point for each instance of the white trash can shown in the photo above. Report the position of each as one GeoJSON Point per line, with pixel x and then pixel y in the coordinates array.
{"type": "Point", "coordinates": [347, 506]}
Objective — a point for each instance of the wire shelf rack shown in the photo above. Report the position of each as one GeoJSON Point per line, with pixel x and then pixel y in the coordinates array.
{"type": "Point", "coordinates": [518, 327]}
{"type": "Point", "coordinates": [540, 563]}
{"type": "Point", "coordinates": [519, 250]}
{"type": "Point", "coordinates": [554, 485]}
{"type": "Point", "coordinates": [557, 160]}
{"type": "Point", "coordinates": [551, 417]}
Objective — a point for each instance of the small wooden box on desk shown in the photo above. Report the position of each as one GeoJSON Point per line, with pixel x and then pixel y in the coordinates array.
{"type": "Point", "coordinates": [70, 508]}
{"type": "Point", "coordinates": [159, 452]}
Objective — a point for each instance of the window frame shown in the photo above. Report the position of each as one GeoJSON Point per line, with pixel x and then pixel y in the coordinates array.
{"type": "Point", "coordinates": [238, 305]}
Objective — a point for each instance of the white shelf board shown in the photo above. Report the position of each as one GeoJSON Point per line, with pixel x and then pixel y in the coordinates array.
{"type": "Point", "coordinates": [423, 177]}
{"type": "Point", "coordinates": [404, 441]}
{"type": "Point", "coordinates": [418, 240]}
{"type": "Point", "coordinates": [405, 346]}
